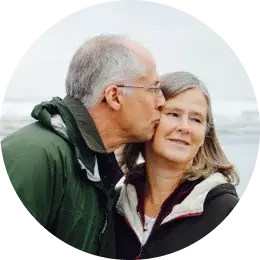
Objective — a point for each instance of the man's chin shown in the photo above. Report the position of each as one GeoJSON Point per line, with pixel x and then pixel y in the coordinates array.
{"type": "Point", "coordinates": [145, 135]}
{"type": "Point", "coordinates": [150, 134]}
{"type": "Point", "coordinates": [156, 123]}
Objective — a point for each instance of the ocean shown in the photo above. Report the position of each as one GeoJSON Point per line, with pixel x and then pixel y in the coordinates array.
{"type": "Point", "coordinates": [242, 150]}
{"type": "Point", "coordinates": [237, 124]}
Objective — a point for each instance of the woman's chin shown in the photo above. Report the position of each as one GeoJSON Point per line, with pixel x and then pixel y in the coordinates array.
{"type": "Point", "coordinates": [176, 156]}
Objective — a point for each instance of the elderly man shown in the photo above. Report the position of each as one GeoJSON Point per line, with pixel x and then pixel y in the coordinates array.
{"type": "Point", "coordinates": [63, 167]}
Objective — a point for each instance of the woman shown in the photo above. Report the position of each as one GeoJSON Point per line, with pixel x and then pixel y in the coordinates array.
{"type": "Point", "coordinates": [184, 189]}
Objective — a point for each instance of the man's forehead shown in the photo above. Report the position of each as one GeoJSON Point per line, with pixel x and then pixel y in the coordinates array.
{"type": "Point", "coordinates": [144, 55]}
{"type": "Point", "coordinates": [141, 51]}
{"type": "Point", "coordinates": [154, 76]}
{"type": "Point", "coordinates": [151, 78]}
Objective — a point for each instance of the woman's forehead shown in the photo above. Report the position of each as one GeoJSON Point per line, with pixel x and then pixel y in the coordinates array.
{"type": "Point", "coordinates": [192, 99]}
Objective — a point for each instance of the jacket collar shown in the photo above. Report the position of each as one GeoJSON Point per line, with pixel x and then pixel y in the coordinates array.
{"type": "Point", "coordinates": [56, 116]}
{"type": "Point", "coordinates": [85, 124]}
{"type": "Point", "coordinates": [192, 205]}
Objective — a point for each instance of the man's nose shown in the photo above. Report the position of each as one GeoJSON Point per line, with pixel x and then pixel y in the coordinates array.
{"type": "Point", "coordinates": [160, 102]}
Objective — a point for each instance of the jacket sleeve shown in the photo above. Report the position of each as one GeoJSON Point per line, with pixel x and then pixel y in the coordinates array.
{"type": "Point", "coordinates": [233, 213]}
{"type": "Point", "coordinates": [32, 171]}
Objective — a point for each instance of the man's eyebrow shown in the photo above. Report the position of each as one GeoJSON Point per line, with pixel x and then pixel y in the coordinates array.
{"type": "Point", "coordinates": [157, 82]}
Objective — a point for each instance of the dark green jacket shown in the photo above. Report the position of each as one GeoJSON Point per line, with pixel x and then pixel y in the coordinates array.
{"type": "Point", "coordinates": [54, 165]}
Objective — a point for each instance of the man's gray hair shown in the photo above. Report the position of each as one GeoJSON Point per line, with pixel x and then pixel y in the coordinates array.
{"type": "Point", "coordinates": [100, 62]}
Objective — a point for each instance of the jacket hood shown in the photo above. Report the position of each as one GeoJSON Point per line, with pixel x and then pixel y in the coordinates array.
{"type": "Point", "coordinates": [73, 114]}
{"type": "Point", "coordinates": [57, 116]}
{"type": "Point", "coordinates": [193, 205]}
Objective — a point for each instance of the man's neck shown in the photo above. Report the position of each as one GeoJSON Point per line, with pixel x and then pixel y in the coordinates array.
{"type": "Point", "coordinates": [108, 129]}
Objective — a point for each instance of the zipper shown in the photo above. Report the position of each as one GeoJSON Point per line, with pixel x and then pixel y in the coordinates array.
{"type": "Point", "coordinates": [128, 223]}
{"type": "Point", "coordinates": [142, 246]}
{"type": "Point", "coordinates": [104, 227]}
{"type": "Point", "coordinates": [140, 252]}
{"type": "Point", "coordinates": [155, 229]}
{"type": "Point", "coordinates": [105, 224]}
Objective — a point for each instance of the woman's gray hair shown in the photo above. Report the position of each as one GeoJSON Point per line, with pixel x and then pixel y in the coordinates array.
{"type": "Point", "coordinates": [210, 157]}
{"type": "Point", "coordinates": [177, 82]}
{"type": "Point", "coordinates": [99, 62]}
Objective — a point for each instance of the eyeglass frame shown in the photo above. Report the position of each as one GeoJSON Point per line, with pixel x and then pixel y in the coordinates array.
{"type": "Point", "coordinates": [152, 86]}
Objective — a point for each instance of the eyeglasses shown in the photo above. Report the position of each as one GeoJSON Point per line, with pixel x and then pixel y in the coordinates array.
{"type": "Point", "coordinates": [156, 87]}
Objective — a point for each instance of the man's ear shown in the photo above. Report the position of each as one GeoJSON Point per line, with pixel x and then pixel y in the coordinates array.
{"type": "Point", "coordinates": [113, 97]}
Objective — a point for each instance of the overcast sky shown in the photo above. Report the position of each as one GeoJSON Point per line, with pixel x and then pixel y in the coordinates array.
{"type": "Point", "coordinates": [177, 40]}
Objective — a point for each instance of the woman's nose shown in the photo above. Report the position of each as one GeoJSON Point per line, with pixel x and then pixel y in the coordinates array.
{"type": "Point", "coordinates": [183, 126]}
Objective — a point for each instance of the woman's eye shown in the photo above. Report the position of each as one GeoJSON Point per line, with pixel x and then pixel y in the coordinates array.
{"type": "Point", "coordinates": [172, 114]}
{"type": "Point", "coordinates": [196, 120]}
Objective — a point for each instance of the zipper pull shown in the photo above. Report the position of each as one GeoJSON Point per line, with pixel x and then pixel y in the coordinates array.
{"type": "Point", "coordinates": [145, 227]}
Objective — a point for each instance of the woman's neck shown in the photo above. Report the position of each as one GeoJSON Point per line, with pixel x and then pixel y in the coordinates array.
{"type": "Point", "coordinates": [162, 179]}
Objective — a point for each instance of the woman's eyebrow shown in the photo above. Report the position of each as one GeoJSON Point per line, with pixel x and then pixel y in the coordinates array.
{"type": "Point", "coordinates": [196, 113]}
{"type": "Point", "coordinates": [170, 109]}
{"type": "Point", "coordinates": [175, 109]}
